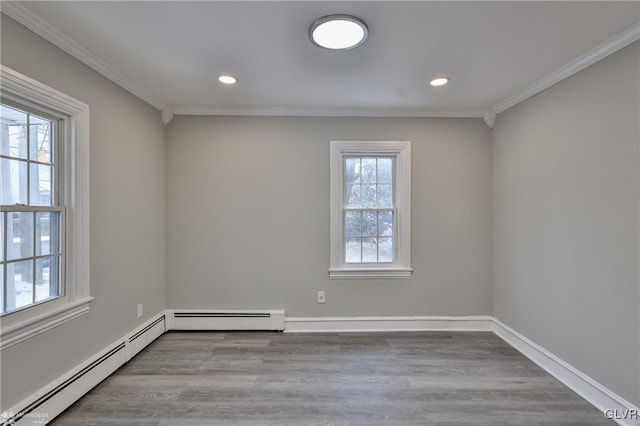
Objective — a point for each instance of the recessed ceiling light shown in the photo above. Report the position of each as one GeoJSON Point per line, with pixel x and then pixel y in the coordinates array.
{"type": "Point", "coordinates": [227, 79]}
{"type": "Point", "coordinates": [440, 81]}
{"type": "Point", "coordinates": [338, 32]}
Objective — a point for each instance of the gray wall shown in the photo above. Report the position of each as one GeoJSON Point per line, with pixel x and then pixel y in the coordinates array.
{"type": "Point", "coordinates": [248, 216]}
{"type": "Point", "coordinates": [566, 189]}
{"type": "Point", "coordinates": [127, 215]}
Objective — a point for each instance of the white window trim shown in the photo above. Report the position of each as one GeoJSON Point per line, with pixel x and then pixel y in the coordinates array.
{"type": "Point", "coordinates": [21, 325]}
{"type": "Point", "coordinates": [401, 268]}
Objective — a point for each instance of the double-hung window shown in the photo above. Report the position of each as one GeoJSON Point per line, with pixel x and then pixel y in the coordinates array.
{"type": "Point", "coordinates": [44, 208]}
{"type": "Point", "coordinates": [31, 215]}
{"type": "Point", "coordinates": [370, 209]}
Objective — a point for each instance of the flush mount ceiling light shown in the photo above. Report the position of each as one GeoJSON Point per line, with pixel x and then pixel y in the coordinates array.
{"type": "Point", "coordinates": [440, 81]}
{"type": "Point", "coordinates": [338, 32]}
{"type": "Point", "coordinates": [227, 79]}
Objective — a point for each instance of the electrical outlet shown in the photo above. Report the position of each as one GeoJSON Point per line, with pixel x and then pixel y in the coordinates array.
{"type": "Point", "coordinates": [139, 310]}
{"type": "Point", "coordinates": [321, 297]}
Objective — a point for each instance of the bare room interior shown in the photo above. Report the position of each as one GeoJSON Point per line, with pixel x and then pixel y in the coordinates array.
{"type": "Point", "coordinates": [319, 213]}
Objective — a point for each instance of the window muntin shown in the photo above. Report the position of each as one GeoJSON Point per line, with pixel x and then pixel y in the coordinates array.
{"type": "Point", "coordinates": [369, 209]}
{"type": "Point", "coordinates": [70, 191]}
{"type": "Point", "coordinates": [31, 217]}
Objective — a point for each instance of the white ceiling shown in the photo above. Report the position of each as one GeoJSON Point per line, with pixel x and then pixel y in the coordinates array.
{"type": "Point", "coordinates": [490, 50]}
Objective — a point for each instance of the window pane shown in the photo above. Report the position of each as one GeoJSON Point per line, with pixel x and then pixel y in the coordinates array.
{"type": "Point", "coordinates": [47, 277]}
{"type": "Point", "coordinates": [369, 170]}
{"type": "Point", "coordinates": [39, 139]}
{"type": "Point", "coordinates": [373, 178]}
{"type": "Point", "coordinates": [352, 170]}
{"type": "Point", "coordinates": [352, 199]}
{"type": "Point", "coordinates": [19, 284]}
{"type": "Point", "coordinates": [369, 250]}
{"type": "Point", "coordinates": [368, 196]}
{"type": "Point", "coordinates": [385, 166]}
{"type": "Point", "coordinates": [384, 199]}
{"type": "Point", "coordinates": [385, 223]}
{"type": "Point", "coordinates": [385, 249]}
{"type": "Point", "coordinates": [13, 182]}
{"type": "Point", "coordinates": [353, 250]}
{"type": "Point", "coordinates": [352, 224]}
{"type": "Point", "coordinates": [47, 233]}
{"type": "Point", "coordinates": [20, 235]}
{"type": "Point", "coordinates": [369, 224]}
{"type": "Point", "coordinates": [2, 216]}
{"type": "Point", "coordinates": [41, 185]}
{"type": "Point", "coordinates": [13, 141]}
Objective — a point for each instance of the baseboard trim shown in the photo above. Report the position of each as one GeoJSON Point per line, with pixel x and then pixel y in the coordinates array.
{"type": "Point", "coordinates": [390, 323]}
{"type": "Point", "coordinates": [608, 402]}
{"type": "Point", "coordinates": [44, 405]}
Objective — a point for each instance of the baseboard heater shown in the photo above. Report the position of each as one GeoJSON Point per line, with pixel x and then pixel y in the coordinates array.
{"type": "Point", "coordinates": [77, 383]}
{"type": "Point", "coordinates": [229, 320]}
{"type": "Point", "coordinates": [12, 417]}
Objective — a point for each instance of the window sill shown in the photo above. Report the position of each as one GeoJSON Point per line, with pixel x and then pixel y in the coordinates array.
{"type": "Point", "coordinates": [368, 273]}
{"type": "Point", "coordinates": [24, 330]}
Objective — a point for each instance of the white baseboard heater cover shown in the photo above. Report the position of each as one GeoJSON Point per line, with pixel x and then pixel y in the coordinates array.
{"type": "Point", "coordinates": [68, 388]}
{"type": "Point", "coordinates": [229, 320]}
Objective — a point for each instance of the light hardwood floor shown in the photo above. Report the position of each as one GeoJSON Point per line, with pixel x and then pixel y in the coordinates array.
{"type": "Point", "coordinates": [262, 378]}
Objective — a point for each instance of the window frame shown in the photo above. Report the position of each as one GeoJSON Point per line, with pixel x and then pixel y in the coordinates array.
{"type": "Point", "coordinates": [401, 267]}
{"type": "Point", "coordinates": [73, 174]}
{"type": "Point", "coordinates": [58, 135]}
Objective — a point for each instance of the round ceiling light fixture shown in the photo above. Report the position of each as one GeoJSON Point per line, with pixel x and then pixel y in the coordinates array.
{"type": "Point", "coordinates": [440, 81]}
{"type": "Point", "coordinates": [338, 32]}
{"type": "Point", "coordinates": [227, 79]}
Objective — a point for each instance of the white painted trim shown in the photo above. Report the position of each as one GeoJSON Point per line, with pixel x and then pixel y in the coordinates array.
{"type": "Point", "coordinates": [589, 389]}
{"type": "Point", "coordinates": [490, 118]}
{"type": "Point", "coordinates": [24, 16]}
{"type": "Point", "coordinates": [328, 112]}
{"type": "Point", "coordinates": [62, 392]}
{"type": "Point", "coordinates": [38, 25]}
{"type": "Point", "coordinates": [19, 332]}
{"type": "Point", "coordinates": [586, 387]}
{"type": "Point", "coordinates": [401, 151]}
{"type": "Point", "coordinates": [594, 55]}
{"type": "Point", "coordinates": [596, 394]}
{"type": "Point", "coordinates": [166, 115]}
{"type": "Point", "coordinates": [388, 323]}
{"type": "Point", "coordinates": [378, 273]}
{"type": "Point", "coordinates": [225, 319]}
{"type": "Point", "coordinates": [169, 322]}
{"type": "Point", "coordinates": [45, 30]}
{"type": "Point", "coordinates": [75, 199]}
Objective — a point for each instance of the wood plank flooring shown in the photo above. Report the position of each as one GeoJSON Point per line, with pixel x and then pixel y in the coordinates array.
{"type": "Point", "coordinates": [262, 378]}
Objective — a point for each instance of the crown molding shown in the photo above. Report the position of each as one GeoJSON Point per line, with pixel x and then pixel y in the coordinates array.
{"type": "Point", "coordinates": [167, 115]}
{"type": "Point", "coordinates": [36, 24]}
{"type": "Point", "coordinates": [594, 55]}
{"type": "Point", "coordinates": [490, 118]}
{"type": "Point", "coordinates": [329, 112]}
{"type": "Point", "coordinates": [24, 16]}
